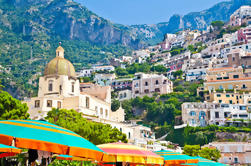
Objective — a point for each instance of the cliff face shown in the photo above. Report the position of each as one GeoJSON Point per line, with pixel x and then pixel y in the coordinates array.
{"type": "Point", "coordinates": [67, 19]}
{"type": "Point", "coordinates": [195, 20]}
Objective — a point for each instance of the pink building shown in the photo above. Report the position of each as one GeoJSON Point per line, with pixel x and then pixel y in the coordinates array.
{"type": "Point", "coordinates": [148, 84]}
{"type": "Point", "coordinates": [236, 153]}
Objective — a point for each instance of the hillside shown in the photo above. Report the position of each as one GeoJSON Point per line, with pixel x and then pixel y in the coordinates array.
{"type": "Point", "coordinates": [195, 20]}
{"type": "Point", "coordinates": [31, 29]}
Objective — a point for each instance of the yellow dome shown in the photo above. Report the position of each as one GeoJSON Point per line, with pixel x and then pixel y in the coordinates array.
{"type": "Point", "coordinates": [60, 65]}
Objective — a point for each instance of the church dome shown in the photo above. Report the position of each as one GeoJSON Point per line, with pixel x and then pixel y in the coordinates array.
{"type": "Point", "coordinates": [60, 65]}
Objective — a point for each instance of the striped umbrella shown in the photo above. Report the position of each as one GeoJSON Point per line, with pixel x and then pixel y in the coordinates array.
{"type": "Point", "coordinates": [205, 162]}
{"type": "Point", "coordinates": [67, 157]}
{"type": "Point", "coordinates": [121, 152]}
{"type": "Point", "coordinates": [41, 135]}
{"type": "Point", "coordinates": [174, 158]}
{"type": "Point", "coordinates": [6, 151]}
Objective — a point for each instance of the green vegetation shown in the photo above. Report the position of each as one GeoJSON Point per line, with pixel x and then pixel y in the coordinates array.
{"type": "Point", "coordinates": [97, 133]}
{"type": "Point", "coordinates": [195, 150]}
{"type": "Point", "coordinates": [197, 48]}
{"type": "Point", "coordinates": [115, 105]}
{"type": "Point", "coordinates": [71, 163]}
{"type": "Point", "coordinates": [217, 24]}
{"type": "Point", "coordinates": [200, 135]}
{"type": "Point", "coordinates": [11, 108]}
{"type": "Point", "coordinates": [177, 50]}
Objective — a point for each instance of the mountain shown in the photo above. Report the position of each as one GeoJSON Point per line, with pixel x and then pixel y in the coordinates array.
{"type": "Point", "coordinates": [69, 20]}
{"type": "Point", "coordinates": [31, 29]}
{"type": "Point", "coordinates": [195, 20]}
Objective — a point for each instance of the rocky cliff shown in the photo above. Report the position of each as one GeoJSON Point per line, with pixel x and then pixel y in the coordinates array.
{"type": "Point", "coordinates": [66, 19]}
{"type": "Point", "coordinates": [194, 20]}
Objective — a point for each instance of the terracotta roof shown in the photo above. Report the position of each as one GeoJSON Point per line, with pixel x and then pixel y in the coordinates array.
{"type": "Point", "coordinates": [247, 78]}
{"type": "Point", "coordinates": [216, 69]}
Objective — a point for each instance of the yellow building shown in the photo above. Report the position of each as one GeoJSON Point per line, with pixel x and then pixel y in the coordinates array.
{"type": "Point", "coordinates": [227, 78]}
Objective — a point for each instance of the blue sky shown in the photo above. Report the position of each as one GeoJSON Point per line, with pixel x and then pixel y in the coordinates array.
{"type": "Point", "coordinates": [144, 11]}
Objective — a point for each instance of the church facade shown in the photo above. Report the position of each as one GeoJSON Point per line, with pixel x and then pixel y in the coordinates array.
{"type": "Point", "coordinates": [60, 88]}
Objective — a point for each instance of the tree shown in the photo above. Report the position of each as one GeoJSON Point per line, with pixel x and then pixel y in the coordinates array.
{"type": "Point", "coordinates": [115, 105]}
{"type": "Point", "coordinates": [192, 150]}
{"type": "Point", "coordinates": [11, 108]}
{"type": "Point", "coordinates": [97, 133]}
{"type": "Point", "coordinates": [177, 74]}
{"type": "Point", "coordinates": [159, 68]}
{"type": "Point", "coordinates": [217, 24]}
{"type": "Point", "coordinates": [121, 72]}
{"type": "Point", "coordinates": [209, 153]}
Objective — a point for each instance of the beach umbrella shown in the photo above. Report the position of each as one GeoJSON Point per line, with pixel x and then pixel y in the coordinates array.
{"type": "Point", "coordinates": [6, 151]}
{"type": "Point", "coordinates": [72, 158]}
{"type": "Point", "coordinates": [174, 158]}
{"type": "Point", "coordinates": [44, 136]}
{"type": "Point", "coordinates": [122, 152]}
{"type": "Point", "coordinates": [205, 162]}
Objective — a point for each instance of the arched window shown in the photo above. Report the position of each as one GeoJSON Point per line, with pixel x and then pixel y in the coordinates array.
{"type": "Point", "coordinates": [106, 113]}
{"type": "Point", "coordinates": [87, 102]}
{"type": "Point", "coordinates": [101, 111]}
{"type": "Point", "coordinates": [50, 86]}
{"type": "Point", "coordinates": [72, 87]}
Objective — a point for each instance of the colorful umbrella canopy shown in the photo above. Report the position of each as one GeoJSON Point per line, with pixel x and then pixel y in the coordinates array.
{"type": "Point", "coordinates": [121, 152]}
{"type": "Point", "coordinates": [67, 157]}
{"type": "Point", "coordinates": [41, 135]}
{"type": "Point", "coordinates": [175, 158]}
{"type": "Point", "coordinates": [204, 162]}
{"type": "Point", "coordinates": [6, 151]}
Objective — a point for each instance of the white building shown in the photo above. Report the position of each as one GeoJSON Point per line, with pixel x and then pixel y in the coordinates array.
{"type": "Point", "coordinates": [148, 84]}
{"type": "Point", "coordinates": [202, 114]}
{"type": "Point", "coordinates": [104, 79]}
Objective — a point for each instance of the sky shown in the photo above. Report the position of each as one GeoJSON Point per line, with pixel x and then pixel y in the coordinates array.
{"type": "Point", "coordinates": [130, 12]}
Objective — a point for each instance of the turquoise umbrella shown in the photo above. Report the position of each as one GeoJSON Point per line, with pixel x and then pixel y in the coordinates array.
{"type": "Point", "coordinates": [6, 151]}
{"type": "Point", "coordinates": [41, 135]}
{"type": "Point", "coordinates": [172, 158]}
{"type": "Point", "coordinates": [205, 162]}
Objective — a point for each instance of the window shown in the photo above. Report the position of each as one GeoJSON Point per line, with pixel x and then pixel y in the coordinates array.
{"type": "Point", "coordinates": [230, 102]}
{"type": "Point", "coordinates": [243, 116]}
{"type": "Point", "coordinates": [226, 114]}
{"type": "Point", "coordinates": [60, 89]}
{"type": "Point", "coordinates": [146, 83]}
{"type": "Point", "coordinates": [218, 95]}
{"type": "Point", "coordinates": [129, 135]}
{"type": "Point", "coordinates": [101, 111]}
{"type": "Point", "coordinates": [233, 58]}
{"type": "Point", "coordinates": [136, 92]}
{"type": "Point", "coordinates": [72, 87]}
{"type": "Point", "coordinates": [37, 103]}
{"type": "Point", "coordinates": [59, 104]}
{"type": "Point", "coordinates": [192, 113]}
{"type": "Point", "coordinates": [236, 76]}
{"type": "Point", "coordinates": [244, 86]}
{"type": "Point", "coordinates": [236, 160]}
{"type": "Point", "coordinates": [50, 86]}
{"type": "Point", "coordinates": [220, 87]}
{"type": "Point", "coordinates": [217, 115]}
{"type": "Point", "coordinates": [96, 109]}
{"type": "Point", "coordinates": [243, 108]}
{"type": "Point", "coordinates": [137, 85]}
{"type": "Point", "coordinates": [146, 91]}
{"type": "Point", "coordinates": [49, 103]}
{"type": "Point", "coordinates": [157, 90]}
{"type": "Point", "coordinates": [121, 96]}
{"type": "Point", "coordinates": [220, 101]}
{"type": "Point", "coordinates": [157, 82]}
{"type": "Point", "coordinates": [87, 102]}
{"type": "Point", "coordinates": [227, 95]}
{"type": "Point", "coordinates": [125, 95]}
{"type": "Point", "coordinates": [106, 113]}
